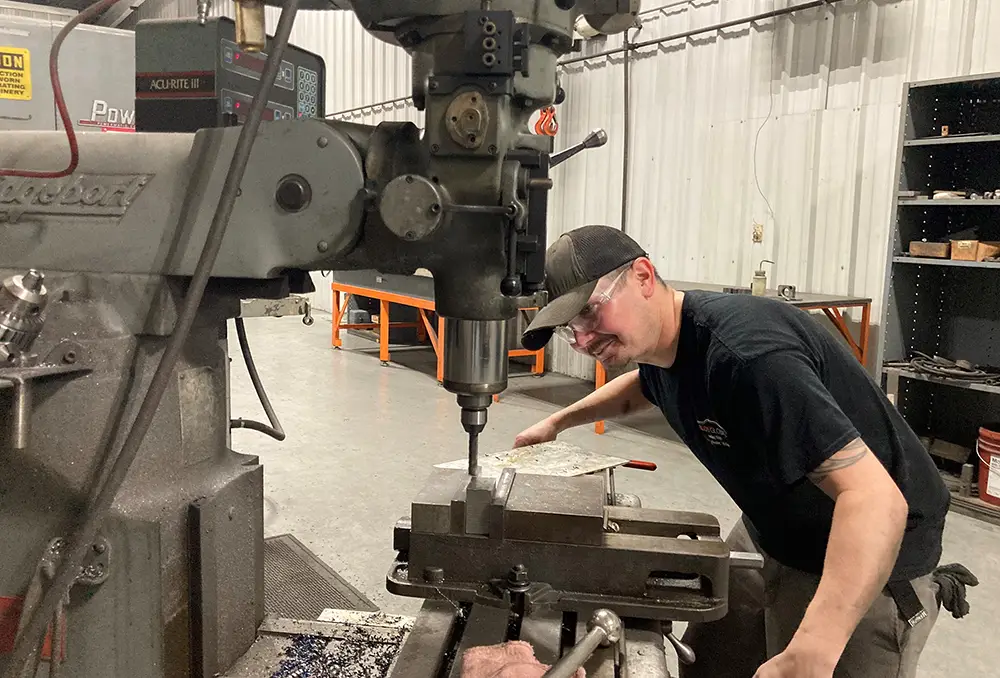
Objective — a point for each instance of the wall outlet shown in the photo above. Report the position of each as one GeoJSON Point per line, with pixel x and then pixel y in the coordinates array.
{"type": "Point", "coordinates": [758, 232]}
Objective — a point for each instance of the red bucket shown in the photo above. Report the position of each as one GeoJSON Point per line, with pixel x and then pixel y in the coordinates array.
{"type": "Point", "coordinates": [988, 451]}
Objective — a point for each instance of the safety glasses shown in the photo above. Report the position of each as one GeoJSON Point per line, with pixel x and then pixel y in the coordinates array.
{"type": "Point", "coordinates": [590, 317]}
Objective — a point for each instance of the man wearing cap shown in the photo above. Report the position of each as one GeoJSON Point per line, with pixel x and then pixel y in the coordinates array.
{"type": "Point", "coordinates": [837, 491]}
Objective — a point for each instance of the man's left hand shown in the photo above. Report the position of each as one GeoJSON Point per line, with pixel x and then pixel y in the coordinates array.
{"type": "Point", "coordinates": [801, 659]}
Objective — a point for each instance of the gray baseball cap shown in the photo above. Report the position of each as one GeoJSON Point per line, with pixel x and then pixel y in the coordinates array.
{"type": "Point", "coordinates": [573, 266]}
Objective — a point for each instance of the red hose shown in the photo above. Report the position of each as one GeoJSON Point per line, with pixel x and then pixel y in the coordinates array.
{"type": "Point", "coordinates": [91, 12]}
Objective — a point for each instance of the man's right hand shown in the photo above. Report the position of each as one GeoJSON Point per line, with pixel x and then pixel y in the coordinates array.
{"type": "Point", "coordinates": [543, 432]}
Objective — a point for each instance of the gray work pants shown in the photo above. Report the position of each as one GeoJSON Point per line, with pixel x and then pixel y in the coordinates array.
{"type": "Point", "coordinates": [766, 607]}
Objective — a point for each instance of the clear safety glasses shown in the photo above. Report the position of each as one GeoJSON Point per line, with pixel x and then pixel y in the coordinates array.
{"type": "Point", "coordinates": [590, 317]}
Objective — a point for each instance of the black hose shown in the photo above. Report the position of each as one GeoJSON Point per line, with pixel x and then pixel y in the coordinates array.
{"type": "Point", "coordinates": [274, 430]}
{"type": "Point", "coordinates": [80, 543]}
{"type": "Point", "coordinates": [627, 126]}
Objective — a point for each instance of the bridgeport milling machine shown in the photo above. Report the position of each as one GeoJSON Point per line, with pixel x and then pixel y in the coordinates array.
{"type": "Point", "coordinates": [129, 523]}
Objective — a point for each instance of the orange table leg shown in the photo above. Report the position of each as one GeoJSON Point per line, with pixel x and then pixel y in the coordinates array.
{"type": "Point", "coordinates": [338, 315]}
{"type": "Point", "coordinates": [440, 352]}
{"type": "Point", "coordinates": [837, 319]}
{"type": "Point", "coordinates": [600, 378]}
{"type": "Point", "coordinates": [383, 331]}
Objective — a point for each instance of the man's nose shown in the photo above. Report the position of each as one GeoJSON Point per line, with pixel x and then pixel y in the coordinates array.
{"type": "Point", "coordinates": [583, 339]}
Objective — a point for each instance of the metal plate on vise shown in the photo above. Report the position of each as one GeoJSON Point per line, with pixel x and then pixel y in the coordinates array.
{"type": "Point", "coordinates": [546, 459]}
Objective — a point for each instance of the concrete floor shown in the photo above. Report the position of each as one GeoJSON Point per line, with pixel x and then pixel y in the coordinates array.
{"type": "Point", "coordinates": [362, 438]}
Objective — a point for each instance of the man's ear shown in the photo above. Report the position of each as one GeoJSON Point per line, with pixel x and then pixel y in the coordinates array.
{"type": "Point", "coordinates": [645, 273]}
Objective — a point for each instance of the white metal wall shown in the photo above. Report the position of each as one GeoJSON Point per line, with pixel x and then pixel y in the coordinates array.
{"type": "Point", "coordinates": [815, 94]}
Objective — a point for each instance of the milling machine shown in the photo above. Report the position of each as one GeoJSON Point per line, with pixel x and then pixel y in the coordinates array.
{"type": "Point", "coordinates": [127, 519]}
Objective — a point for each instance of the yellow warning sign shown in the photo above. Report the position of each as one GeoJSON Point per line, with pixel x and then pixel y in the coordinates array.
{"type": "Point", "coordinates": [15, 73]}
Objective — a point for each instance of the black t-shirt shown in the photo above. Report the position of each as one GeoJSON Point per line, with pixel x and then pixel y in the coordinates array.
{"type": "Point", "coordinates": [762, 394]}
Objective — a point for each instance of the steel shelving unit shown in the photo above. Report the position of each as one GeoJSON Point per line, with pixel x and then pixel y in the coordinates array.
{"type": "Point", "coordinates": [945, 307]}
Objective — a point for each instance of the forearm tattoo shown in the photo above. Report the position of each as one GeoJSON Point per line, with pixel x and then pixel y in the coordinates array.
{"type": "Point", "coordinates": [849, 456]}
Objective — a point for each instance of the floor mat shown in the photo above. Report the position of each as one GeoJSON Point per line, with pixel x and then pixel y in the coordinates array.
{"type": "Point", "coordinates": [298, 585]}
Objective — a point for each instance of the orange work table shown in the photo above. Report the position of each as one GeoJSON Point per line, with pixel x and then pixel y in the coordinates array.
{"type": "Point", "coordinates": [414, 297]}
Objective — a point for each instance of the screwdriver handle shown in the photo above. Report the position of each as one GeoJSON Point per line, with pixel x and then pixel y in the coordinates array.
{"type": "Point", "coordinates": [641, 465]}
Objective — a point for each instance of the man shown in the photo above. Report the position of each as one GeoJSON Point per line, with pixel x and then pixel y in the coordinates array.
{"type": "Point", "coordinates": [836, 490]}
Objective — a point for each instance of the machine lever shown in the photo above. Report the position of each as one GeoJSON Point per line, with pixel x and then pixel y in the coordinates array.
{"type": "Point", "coordinates": [604, 628]}
{"type": "Point", "coordinates": [596, 138]}
{"type": "Point", "coordinates": [685, 655]}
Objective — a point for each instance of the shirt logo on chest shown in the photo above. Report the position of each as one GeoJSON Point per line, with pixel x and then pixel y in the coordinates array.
{"type": "Point", "coordinates": [713, 432]}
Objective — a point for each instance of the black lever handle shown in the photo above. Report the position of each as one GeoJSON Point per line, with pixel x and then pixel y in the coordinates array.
{"type": "Point", "coordinates": [596, 138]}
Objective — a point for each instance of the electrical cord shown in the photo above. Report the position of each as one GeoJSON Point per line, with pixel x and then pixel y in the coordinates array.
{"type": "Point", "coordinates": [78, 546]}
{"type": "Point", "coordinates": [91, 12]}
{"type": "Point", "coordinates": [274, 430]}
{"type": "Point", "coordinates": [937, 366]}
{"type": "Point", "coordinates": [770, 109]}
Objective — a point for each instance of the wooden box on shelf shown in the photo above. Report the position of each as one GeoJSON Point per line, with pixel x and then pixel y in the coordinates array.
{"type": "Point", "coordinates": [936, 250]}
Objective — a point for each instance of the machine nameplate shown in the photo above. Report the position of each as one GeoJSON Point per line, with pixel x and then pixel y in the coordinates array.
{"type": "Point", "coordinates": [85, 195]}
{"type": "Point", "coordinates": [189, 84]}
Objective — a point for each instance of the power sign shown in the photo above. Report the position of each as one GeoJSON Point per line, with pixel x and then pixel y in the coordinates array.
{"type": "Point", "coordinates": [15, 73]}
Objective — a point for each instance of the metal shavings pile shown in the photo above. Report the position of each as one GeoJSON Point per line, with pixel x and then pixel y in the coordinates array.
{"type": "Point", "coordinates": [361, 655]}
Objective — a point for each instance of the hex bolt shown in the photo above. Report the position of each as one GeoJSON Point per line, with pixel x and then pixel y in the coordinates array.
{"type": "Point", "coordinates": [322, 246]}
{"type": "Point", "coordinates": [409, 178]}
{"type": "Point", "coordinates": [99, 547]}
{"type": "Point", "coordinates": [493, 149]}
{"type": "Point", "coordinates": [435, 575]}
{"type": "Point", "coordinates": [322, 142]}
{"type": "Point", "coordinates": [518, 575]}
{"type": "Point", "coordinates": [69, 357]}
